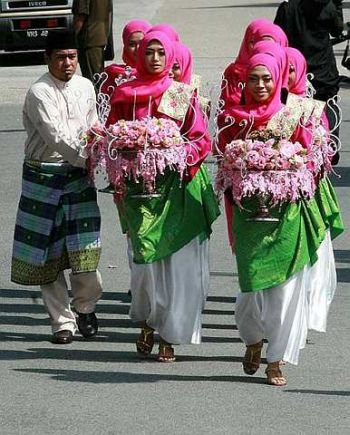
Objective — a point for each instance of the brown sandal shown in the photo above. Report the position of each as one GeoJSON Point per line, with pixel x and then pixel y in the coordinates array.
{"type": "Point", "coordinates": [145, 342]}
{"type": "Point", "coordinates": [252, 358]}
{"type": "Point", "coordinates": [275, 375]}
{"type": "Point", "coordinates": [166, 352]}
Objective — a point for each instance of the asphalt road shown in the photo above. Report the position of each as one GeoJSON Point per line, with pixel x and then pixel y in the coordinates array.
{"type": "Point", "coordinates": [100, 386]}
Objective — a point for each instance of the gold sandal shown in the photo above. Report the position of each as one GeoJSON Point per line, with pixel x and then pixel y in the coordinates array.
{"type": "Point", "coordinates": [252, 358]}
{"type": "Point", "coordinates": [145, 342]}
{"type": "Point", "coordinates": [166, 352]}
{"type": "Point", "coordinates": [275, 375]}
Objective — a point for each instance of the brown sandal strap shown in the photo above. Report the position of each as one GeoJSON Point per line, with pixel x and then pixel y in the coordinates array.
{"type": "Point", "coordinates": [145, 342]}
{"type": "Point", "coordinates": [166, 352]}
{"type": "Point", "coordinates": [274, 373]}
{"type": "Point", "coordinates": [252, 358]}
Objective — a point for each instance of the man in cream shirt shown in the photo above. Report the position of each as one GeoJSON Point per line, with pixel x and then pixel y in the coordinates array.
{"type": "Point", "coordinates": [58, 219]}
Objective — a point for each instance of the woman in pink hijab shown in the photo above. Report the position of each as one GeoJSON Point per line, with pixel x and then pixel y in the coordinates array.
{"type": "Point", "coordinates": [133, 33]}
{"type": "Point", "coordinates": [273, 48]}
{"type": "Point", "coordinates": [169, 233]}
{"type": "Point", "coordinates": [257, 30]}
{"type": "Point", "coordinates": [274, 259]}
{"type": "Point", "coordinates": [182, 68]}
{"type": "Point", "coordinates": [297, 72]}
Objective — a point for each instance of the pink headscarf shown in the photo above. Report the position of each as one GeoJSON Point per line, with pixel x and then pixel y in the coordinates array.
{"type": "Point", "coordinates": [274, 49]}
{"type": "Point", "coordinates": [183, 57]}
{"type": "Point", "coordinates": [147, 85]}
{"type": "Point", "coordinates": [235, 72]}
{"type": "Point", "coordinates": [168, 30]}
{"type": "Point", "coordinates": [267, 28]}
{"type": "Point", "coordinates": [298, 61]}
{"type": "Point", "coordinates": [130, 28]}
{"type": "Point", "coordinates": [256, 31]}
{"type": "Point", "coordinates": [258, 114]}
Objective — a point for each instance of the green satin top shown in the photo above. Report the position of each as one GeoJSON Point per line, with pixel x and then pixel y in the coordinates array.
{"type": "Point", "coordinates": [268, 253]}
{"type": "Point", "coordinates": [160, 226]}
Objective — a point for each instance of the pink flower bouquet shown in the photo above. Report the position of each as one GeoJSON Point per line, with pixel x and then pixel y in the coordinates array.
{"type": "Point", "coordinates": [268, 166]}
{"type": "Point", "coordinates": [141, 150]}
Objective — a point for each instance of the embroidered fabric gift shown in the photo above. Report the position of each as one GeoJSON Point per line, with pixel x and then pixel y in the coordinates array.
{"type": "Point", "coordinates": [176, 101]}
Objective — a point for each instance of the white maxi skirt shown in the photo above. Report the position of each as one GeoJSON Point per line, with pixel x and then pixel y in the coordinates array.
{"type": "Point", "coordinates": [170, 294]}
{"type": "Point", "coordinates": [284, 313]}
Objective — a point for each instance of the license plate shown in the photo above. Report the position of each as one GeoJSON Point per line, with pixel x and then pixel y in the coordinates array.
{"type": "Point", "coordinates": [37, 33]}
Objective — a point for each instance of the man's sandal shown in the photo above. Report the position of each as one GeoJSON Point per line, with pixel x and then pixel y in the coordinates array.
{"type": "Point", "coordinates": [275, 375]}
{"type": "Point", "coordinates": [252, 358]}
{"type": "Point", "coordinates": [166, 352]}
{"type": "Point", "coordinates": [145, 342]}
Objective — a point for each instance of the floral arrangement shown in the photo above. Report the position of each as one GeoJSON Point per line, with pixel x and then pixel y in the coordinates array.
{"type": "Point", "coordinates": [139, 150]}
{"type": "Point", "coordinates": [95, 140]}
{"type": "Point", "coordinates": [266, 164]}
{"type": "Point", "coordinates": [321, 153]}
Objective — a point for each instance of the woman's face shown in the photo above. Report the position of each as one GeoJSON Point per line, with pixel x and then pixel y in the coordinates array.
{"type": "Point", "coordinates": [291, 79]}
{"type": "Point", "coordinates": [155, 57]}
{"type": "Point", "coordinates": [176, 72]}
{"type": "Point", "coordinates": [133, 44]}
{"type": "Point", "coordinates": [260, 84]}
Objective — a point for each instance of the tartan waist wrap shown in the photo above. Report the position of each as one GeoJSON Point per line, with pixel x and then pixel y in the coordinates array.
{"type": "Point", "coordinates": [57, 226]}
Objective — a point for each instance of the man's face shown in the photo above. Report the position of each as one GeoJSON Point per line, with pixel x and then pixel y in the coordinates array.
{"type": "Point", "coordinates": [63, 63]}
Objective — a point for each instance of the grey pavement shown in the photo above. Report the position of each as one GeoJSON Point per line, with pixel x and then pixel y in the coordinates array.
{"type": "Point", "coordinates": [100, 386]}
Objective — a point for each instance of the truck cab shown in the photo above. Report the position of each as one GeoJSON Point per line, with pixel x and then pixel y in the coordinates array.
{"type": "Point", "coordinates": [25, 24]}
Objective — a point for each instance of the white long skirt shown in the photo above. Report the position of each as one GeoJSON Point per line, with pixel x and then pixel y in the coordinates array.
{"type": "Point", "coordinates": [322, 286]}
{"type": "Point", "coordinates": [284, 313]}
{"type": "Point", "coordinates": [170, 294]}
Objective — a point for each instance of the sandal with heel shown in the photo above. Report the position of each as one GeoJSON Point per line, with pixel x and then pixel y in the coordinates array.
{"type": "Point", "coordinates": [166, 352]}
{"type": "Point", "coordinates": [252, 358]}
{"type": "Point", "coordinates": [275, 375]}
{"type": "Point", "coordinates": [145, 342]}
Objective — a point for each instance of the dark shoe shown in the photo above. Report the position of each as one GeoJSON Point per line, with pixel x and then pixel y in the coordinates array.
{"type": "Point", "coordinates": [62, 337]}
{"type": "Point", "coordinates": [87, 324]}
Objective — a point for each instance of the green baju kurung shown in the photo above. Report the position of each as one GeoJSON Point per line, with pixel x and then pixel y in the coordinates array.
{"type": "Point", "coordinates": [268, 253]}
{"type": "Point", "coordinates": [160, 226]}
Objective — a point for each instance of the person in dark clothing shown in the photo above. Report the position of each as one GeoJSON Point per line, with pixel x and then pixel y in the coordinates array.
{"type": "Point", "coordinates": [309, 24]}
{"type": "Point", "coordinates": [92, 23]}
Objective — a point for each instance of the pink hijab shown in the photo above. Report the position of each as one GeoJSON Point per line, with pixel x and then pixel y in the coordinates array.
{"type": "Point", "coordinates": [169, 30]}
{"type": "Point", "coordinates": [256, 31]}
{"type": "Point", "coordinates": [147, 85]}
{"type": "Point", "coordinates": [130, 28]}
{"type": "Point", "coordinates": [258, 114]}
{"type": "Point", "coordinates": [298, 61]}
{"type": "Point", "coordinates": [183, 57]}
{"type": "Point", "coordinates": [274, 49]}
{"type": "Point", "coordinates": [267, 28]}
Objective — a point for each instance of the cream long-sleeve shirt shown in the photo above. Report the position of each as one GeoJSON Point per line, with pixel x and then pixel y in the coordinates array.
{"type": "Point", "coordinates": [55, 114]}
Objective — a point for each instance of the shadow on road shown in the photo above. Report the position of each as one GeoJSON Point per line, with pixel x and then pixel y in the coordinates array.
{"type": "Point", "coordinates": [134, 378]}
{"type": "Point", "coordinates": [321, 392]}
{"type": "Point", "coordinates": [342, 255]}
{"type": "Point", "coordinates": [343, 275]}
